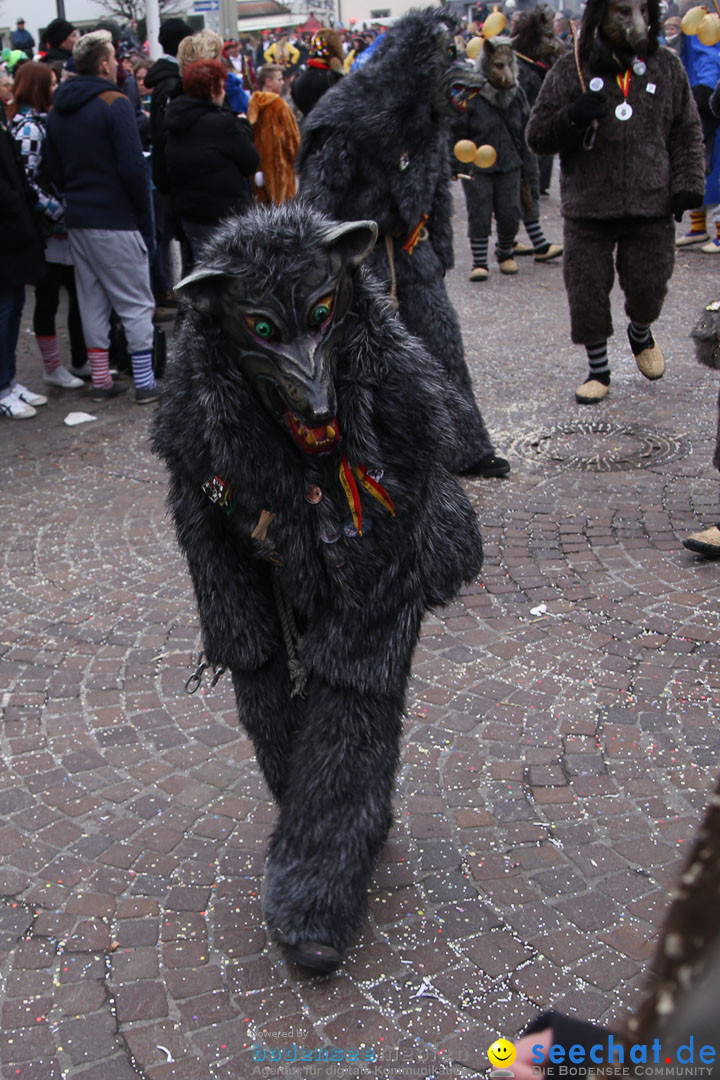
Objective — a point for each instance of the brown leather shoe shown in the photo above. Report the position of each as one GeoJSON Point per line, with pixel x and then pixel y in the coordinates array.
{"type": "Point", "coordinates": [508, 266]}
{"type": "Point", "coordinates": [705, 543]}
{"type": "Point", "coordinates": [591, 392]}
{"type": "Point", "coordinates": [479, 273]}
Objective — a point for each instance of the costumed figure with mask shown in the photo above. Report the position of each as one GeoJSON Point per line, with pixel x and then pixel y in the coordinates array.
{"type": "Point", "coordinates": [378, 147]}
{"type": "Point", "coordinates": [309, 495]}
{"type": "Point", "coordinates": [620, 113]}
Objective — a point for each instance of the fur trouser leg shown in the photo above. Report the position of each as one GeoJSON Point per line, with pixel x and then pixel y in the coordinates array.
{"type": "Point", "coordinates": [426, 310]}
{"type": "Point", "coordinates": [334, 816]}
{"type": "Point", "coordinates": [645, 256]}
{"type": "Point", "coordinates": [271, 718]}
{"type": "Point", "coordinates": [506, 207]}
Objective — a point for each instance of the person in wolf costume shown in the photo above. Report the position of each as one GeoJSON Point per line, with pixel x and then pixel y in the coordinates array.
{"type": "Point", "coordinates": [537, 47]}
{"type": "Point", "coordinates": [377, 147]}
{"type": "Point", "coordinates": [496, 116]}
{"type": "Point", "coordinates": [622, 117]}
{"type": "Point", "coordinates": [305, 433]}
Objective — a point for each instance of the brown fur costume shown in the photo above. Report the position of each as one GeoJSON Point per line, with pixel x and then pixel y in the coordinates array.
{"type": "Point", "coordinates": [277, 140]}
{"type": "Point", "coordinates": [625, 176]}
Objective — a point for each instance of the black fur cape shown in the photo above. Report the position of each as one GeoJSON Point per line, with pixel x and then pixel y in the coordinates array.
{"type": "Point", "coordinates": [378, 148]}
{"type": "Point", "coordinates": [329, 759]}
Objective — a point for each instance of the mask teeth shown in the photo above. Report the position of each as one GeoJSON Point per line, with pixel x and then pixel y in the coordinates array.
{"type": "Point", "coordinates": [309, 437]}
{"type": "Point", "coordinates": [330, 432]}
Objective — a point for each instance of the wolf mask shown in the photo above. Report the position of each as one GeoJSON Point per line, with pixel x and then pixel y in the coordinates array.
{"type": "Point", "coordinates": [285, 335]}
{"type": "Point", "coordinates": [305, 432]}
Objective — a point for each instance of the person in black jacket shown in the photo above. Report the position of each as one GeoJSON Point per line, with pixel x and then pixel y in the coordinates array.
{"type": "Point", "coordinates": [324, 69]}
{"type": "Point", "coordinates": [21, 262]}
{"type": "Point", "coordinates": [209, 153]}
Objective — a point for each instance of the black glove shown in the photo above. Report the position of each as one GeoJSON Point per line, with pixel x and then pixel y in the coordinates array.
{"type": "Point", "coordinates": [685, 200]}
{"type": "Point", "coordinates": [588, 107]}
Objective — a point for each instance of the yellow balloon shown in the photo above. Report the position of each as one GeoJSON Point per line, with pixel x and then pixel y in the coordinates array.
{"type": "Point", "coordinates": [691, 19]}
{"type": "Point", "coordinates": [474, 47]}
{"type": "Point", "coordinates": [494, 24]}
{"type": "Point", "coordinates": [465, 150]}
{"type": "Point", "coordinates": [709, 30]}
{"type": "Point", "coordinates": [485, 156]}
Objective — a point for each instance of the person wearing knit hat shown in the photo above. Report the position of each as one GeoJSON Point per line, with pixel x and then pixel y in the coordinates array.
{"type": "Point", "coordinates": [61, 37]}
{"type": "Point", "coordinates": [172, 32]}
{"type": "Point", "coordinates": [324, 69]}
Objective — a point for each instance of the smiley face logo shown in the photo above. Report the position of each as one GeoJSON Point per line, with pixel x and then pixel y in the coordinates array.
{"type": "Point", "coordinates": [501, 1053]}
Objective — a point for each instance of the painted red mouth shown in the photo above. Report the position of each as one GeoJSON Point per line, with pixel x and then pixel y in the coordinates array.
{"type": "Point", "coordinates": [316, 440]}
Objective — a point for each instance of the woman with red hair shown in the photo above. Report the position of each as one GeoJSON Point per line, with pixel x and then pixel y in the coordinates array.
{"type": "Point", "coordinates": [209, 152]}
{"type": "Point", "coordinates": [26, 116]}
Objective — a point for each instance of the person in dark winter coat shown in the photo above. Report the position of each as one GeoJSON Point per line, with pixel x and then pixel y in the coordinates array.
{"type": "Point", "coordinates": [378, 147]}
{"type": "Point", "coordinates": [22, 39]}
{"type": "Point", "coordinates": [310, 498]}
{"type": "Point", "coordinates": [209, 153]}
{"type": "Point", "coordinates": [165, 83]}
{"type": "Point", "coordinates": [624, 122]}
{"type": "Point", "coordinates": [61, 37]}
{"type": "Point", "coordinates": [21, 262]}
{"type": "Point", "coordinates": [324, 69]}
{"type": "Point", "coordinates": [496, 116]}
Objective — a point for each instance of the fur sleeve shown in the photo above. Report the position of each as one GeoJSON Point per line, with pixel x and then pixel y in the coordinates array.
{"type": "Point", "coordinates": [440, 223]}
{"type": "Point", "coordinates": [549, 129]}
{"type": "Point", "coordinates": [236, 611]}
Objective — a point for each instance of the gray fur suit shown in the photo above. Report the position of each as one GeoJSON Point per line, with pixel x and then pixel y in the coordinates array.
{"type": "Point", "coordinates": [297, 389]}
{"type": "Point", "coordinates": [376, 146]}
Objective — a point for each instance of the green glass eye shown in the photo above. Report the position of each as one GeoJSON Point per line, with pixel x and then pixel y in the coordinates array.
{"type": "Point", "coordinates": [263, 329]}
{"type": "Point", "coordinates": [320, 314]}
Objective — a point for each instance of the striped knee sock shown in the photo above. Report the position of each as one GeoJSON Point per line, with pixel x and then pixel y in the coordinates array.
{"type": "Point", "coordinates": [505, 247]}
{"type": "Point", "coordinates": [142, 369]}
{"type": "Point", "coordinates": [479, 248]}
{"type": "Point", "coordinates": [698, 221]}
{"type": "Point", "coordinates": [100, 368]}
{"type": "Point", "coordinates": [49, 352]}
{"type": "Point", "coordinates": [598, 361]}
{"type": "Point", "coordinates": [537, 237]}
{"type": "Point", "coordinates": [640, 337]}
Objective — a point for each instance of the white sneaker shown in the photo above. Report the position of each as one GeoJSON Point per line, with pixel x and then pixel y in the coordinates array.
{"type": "Point", "coordinates": [28, 396]}
{"type": "Point", "coordinates": [15, 408]}
{"type": "Point", "coordinates": [61, 377]}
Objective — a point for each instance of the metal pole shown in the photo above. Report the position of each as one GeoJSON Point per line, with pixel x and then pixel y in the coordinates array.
{"type": "Point", "coordinates": [60, 4]}
{"type": "Point", "coordinates": [228, 19]}
{"type": "Point", "coordinates": [152, 18]}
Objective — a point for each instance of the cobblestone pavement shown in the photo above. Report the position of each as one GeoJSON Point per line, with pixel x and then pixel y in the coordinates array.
{"type": "Point", "coordinates": [560, 740]}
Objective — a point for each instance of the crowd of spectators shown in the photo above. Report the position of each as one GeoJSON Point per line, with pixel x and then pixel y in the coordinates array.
{"type": "Point", "coordinates": [200, 132]}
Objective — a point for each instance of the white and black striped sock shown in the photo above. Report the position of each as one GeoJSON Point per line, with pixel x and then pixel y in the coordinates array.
{"type": "Point", "coordinates": [479, 248]}
{"type": "Point", "coordinates": [537, 237]}
{"type": "Point", "coordinates": [598, 361]}
{"type": "Point", "coordinates": [640, 337]}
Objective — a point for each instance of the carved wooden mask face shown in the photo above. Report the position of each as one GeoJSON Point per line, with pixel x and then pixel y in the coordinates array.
{"type": "Point", "coordinates": [284, 339]}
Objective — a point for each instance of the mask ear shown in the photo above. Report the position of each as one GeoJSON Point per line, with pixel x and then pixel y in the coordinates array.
{"type": "Point", "coordinates": [353, 240]}
{"type": "Point", "coordinates": [201, 288]}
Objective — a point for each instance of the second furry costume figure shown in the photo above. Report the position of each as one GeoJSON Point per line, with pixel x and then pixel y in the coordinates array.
{"type": "Point", "coordinates": [622, 117]}
{"type": "Point", "coordinates": [496, 116]}
{"type": "Point", "coordinates": [377, 147]}
{"type": "Point", "coordinates": [305, 433]}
